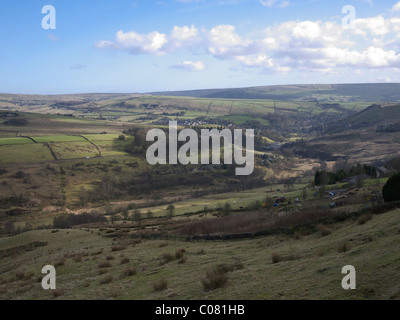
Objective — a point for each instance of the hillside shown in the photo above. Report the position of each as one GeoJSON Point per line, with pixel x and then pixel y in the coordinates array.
{"type": "Point", "coordinates": [91, 266]}
{"type": "Point", "coordinates": [323, 92]}
{"type": "Point", "coordinates": [77, 192]}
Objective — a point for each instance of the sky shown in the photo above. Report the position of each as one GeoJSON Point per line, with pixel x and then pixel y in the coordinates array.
{"type": "Point", "coordinates": [129, 46]}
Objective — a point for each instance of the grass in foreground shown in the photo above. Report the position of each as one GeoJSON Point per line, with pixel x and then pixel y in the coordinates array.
{"type": "Point", "coordinates": [309, 266]}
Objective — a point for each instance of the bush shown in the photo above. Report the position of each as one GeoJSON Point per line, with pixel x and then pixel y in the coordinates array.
{"type": "Point", "coordinates": [214, 279]}
{"type": "Point", "coordinates": [19, 275]}
{"type": "Point", "coordinates": [324, 230]}
{"type": "Point", "coordinates": [276, 258]}
{"type": "Point", "coordinates": [166, 258]}
{"type": "Point", "coordinates": [117, 248]}
{"type": "Point", "coordinates": [344, 247]}
{"type": "Point", "coordinates": [59, 263]}
{"type": "Point", "coordinates": [125, 260]}
{"type": "Point", "coordinates": [364, 218]}
{"type": "Point", "coordinates": [107, 279]}
{"type": "Point", "coordinates": [129, 272]}
{"type": "Point", "coordinates": [179, 254]}
{"type": "Point", "coordinates": [160, 285]}
{"type": "Point", "coordinates": [58, 293]}
{"type": "Point", "coordinates": [105, 264]}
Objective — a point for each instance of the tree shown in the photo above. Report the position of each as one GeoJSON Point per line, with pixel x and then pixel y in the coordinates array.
{"type": "Point", "coordinates": [121, 137]}
{"type": "Point", "coordinates": [125, 213]}
{"type": "Point", "coordinates": [227, 208]}
{"type": "Point", "coordinates": [170, 211]}
{"type": "Point", "coordinates": [137, 217]}
{"type": "Point", "coordinates": [391, 190]}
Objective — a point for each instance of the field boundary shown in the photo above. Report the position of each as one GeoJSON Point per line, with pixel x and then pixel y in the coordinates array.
{"type": "Point", "coordinates": [29, 138]}
{"type": "Point", "coordinates": [98, 149]}
{"type": "Point", "coordinates": [51, 151]}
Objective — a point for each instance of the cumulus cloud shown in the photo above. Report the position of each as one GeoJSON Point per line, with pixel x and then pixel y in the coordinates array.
{"type": "Point", "coordinates": [152, 43]}
{"type": "Point", "coordinates": [302, 45]}
{"type": "Point", "coordinates": [396, 7]}
{"type": "Point", "coordinates": [190, 66]}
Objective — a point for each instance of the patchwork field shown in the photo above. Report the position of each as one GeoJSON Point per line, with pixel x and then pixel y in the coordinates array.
{"type": "Point", "coordinates": [78, 193]}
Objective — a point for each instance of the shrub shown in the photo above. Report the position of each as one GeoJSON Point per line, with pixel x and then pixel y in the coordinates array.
{"type": "Point", "coordinates": [297, 235]}
{"type": "Point", "coordinates": [166, 258]}
{"type": "Point", "coordinates": [125, 260]}
{"type": "Point", "coordinates": [324, 230]}
{"type": "Point", "coordinates": [214, 279]}
{"type": "Point", "coordinates": [58, 293]}
{"type": "Point", "coordinates": [19, 275]}
{"type": "Point", "coordinates": [107, 279]}
{"type": "Point", "coordinates": [276, 258]}
{"type": "Point", "coordinates": [105, 264]}
{"type": "Point", "coordinates": [364, 218]}
{"type": "Point", "coordinates": [160, 285]}
{"type": "Point", "coordinates": [179, 254]}
{"type": "Point", "coordinates": [109, 258]}
{"type": "Point", "coordinates": [344, 247]}
{"type": "Point", "coordinates": [59, 263]}
{"type": "Point", "coordinates": [117, 248]}
{"type": "Point", "coordinates": [129, 272]}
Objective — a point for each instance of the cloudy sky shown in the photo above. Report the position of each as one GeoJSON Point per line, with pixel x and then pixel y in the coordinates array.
{"type": "Point", "coordinates": [144, 45]}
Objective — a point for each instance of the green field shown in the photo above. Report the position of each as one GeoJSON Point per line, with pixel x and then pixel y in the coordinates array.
{"type": "Point", "coordinates": [24, 153]}
{"type": "Point", "coordinates": [59, 138]}
{"type": "Point", "coordinates": [72, 150]}
{"type": "Point", "coordinates": [92, 173]}
{"type": "Point", "coordinates": [14, 141]}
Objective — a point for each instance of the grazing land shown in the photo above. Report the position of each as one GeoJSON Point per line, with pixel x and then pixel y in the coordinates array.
{"type": "Point", "coordinates": [77, 192]}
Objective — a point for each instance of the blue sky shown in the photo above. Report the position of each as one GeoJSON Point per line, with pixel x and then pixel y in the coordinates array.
{"type": "Point", "coordinates": [145, 46]}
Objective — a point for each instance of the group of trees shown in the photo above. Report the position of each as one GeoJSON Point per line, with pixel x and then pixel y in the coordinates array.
{"type": "Point", "coordinates": [68, 220]}
{"type": "Point", "coordinates": [325, 177]}
{"type": "Point", "coordinates": [391, 190]}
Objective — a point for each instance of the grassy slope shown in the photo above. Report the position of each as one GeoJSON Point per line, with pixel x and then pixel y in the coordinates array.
{"type": "Point", "coordinates": [314, 274]}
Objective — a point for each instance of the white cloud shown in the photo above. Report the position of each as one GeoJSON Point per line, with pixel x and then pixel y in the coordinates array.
{"type": "Point", "coordinates": [152, 43]}
{"type": "Point", "coordinates": [396, 7]}
{"type": "Point", "coordinates": [184, 36]}
{"type": "Point", "coordinates": [190, 66]}
{"type": "Point", "coordinates": [291, 45]}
